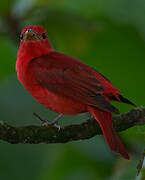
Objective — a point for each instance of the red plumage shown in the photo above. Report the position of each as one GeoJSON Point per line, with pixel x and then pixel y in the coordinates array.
{"type": "Point", "coordinates": [66, 85]}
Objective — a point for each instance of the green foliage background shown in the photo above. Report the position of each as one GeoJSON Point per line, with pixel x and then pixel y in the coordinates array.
{"type": "Point", "coordinates": [107, 35]}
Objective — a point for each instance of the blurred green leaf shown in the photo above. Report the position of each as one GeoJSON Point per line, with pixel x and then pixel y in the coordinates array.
{"type": "Point", "coordinates": [5, 7]}
{"type": "Point", "coordinates": [7, 57]}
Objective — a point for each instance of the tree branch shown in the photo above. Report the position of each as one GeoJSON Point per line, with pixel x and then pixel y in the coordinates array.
{"type": "Point", "coordinates": [50, 134]}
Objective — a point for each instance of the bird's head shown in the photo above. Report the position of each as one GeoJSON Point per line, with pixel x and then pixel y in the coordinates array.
{"type": "Point", "coordinates": [34, 42]}
{"type": "Point", "coordinates": [34, 34]}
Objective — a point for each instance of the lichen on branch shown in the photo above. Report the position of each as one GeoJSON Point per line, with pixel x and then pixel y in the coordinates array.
{"type": "Point", "coordinates": [51, 134]}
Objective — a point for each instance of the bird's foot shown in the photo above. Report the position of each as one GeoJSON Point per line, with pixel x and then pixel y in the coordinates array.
{"type": "Point", "coordinates": [46, 123]}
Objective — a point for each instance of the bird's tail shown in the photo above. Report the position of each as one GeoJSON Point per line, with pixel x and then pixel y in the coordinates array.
{"type": "Point", "coordinates": [105, 121]}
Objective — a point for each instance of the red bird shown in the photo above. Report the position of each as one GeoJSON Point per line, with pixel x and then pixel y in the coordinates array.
{"type": "Point", "coordinates": [66, 85]}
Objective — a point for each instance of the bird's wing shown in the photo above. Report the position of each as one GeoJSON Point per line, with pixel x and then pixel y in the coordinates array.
{"type": "Point", "coordinates": [73, 81]}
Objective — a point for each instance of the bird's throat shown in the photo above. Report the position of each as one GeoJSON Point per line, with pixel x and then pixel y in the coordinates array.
{"type": "Point", "coordinates": [27, 52]}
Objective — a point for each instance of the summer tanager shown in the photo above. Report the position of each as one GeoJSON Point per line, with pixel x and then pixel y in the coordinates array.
{"type": "Point", "coordinates": [66, 85]}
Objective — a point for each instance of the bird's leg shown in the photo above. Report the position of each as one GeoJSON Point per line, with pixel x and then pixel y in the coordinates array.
{"type": "Point", "coordinates": [55, 121]}
{"type": "Point", "coordinates": [41, 119]}
{"type": "Point", "coordinates": [46, 123]}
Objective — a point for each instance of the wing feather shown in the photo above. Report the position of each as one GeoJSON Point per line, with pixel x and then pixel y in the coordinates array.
{"type": "Point", "coordinates": [75, 82]}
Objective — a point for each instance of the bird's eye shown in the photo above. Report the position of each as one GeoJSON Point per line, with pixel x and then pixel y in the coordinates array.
{"type": "Point", "coordinates": [43, 35]}
{"type": "Point", "coordinates": [21, 36]}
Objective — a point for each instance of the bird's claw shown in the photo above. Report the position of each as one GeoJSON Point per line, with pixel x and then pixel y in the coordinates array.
{"type": "Point", "coordinates": [57, 126]}
{"type": "Point", "coordinates": [51, 124]}
{"type": "Point", "coordinates": [46, 123]}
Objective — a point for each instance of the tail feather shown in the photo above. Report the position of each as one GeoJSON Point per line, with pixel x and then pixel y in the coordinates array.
{"type": "Point", "coordinates": [125, 100]}
{"type": "Point", "coordinates": [105, 121]}
{"type": "Point", "coordinates": [122, 99]}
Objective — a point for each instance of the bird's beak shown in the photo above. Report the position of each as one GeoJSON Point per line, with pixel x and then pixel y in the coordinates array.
{"type": "Point", "coordinates": [31, 35]}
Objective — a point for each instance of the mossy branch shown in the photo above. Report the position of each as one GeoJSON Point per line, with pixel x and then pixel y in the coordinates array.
{"type": "Point", "coordinates": [51, 134]}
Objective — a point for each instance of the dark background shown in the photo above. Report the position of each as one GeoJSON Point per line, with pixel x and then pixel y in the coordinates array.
{"type": "Point", "coordinates": [107, 35]}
